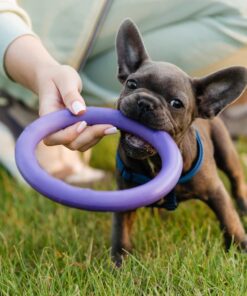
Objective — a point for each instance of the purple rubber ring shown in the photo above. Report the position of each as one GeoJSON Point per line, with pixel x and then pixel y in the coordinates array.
{"type": "Point", "coordinates": [85, 198]}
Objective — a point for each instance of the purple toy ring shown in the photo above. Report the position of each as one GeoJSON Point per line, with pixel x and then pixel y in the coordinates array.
{"type": "Point", "coordinates": [88, 199]}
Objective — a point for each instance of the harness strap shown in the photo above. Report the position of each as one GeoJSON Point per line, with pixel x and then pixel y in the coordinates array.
{"type": "Point", "coordinates": [198, 163]}
{"type": "Point", "coordinates": [169, 202]}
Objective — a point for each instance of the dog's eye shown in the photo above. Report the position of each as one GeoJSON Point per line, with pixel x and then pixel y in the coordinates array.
{"type": "Point", "coordinates": [176, 103]}
{"type": "Point", "coordinates": [131, 84]}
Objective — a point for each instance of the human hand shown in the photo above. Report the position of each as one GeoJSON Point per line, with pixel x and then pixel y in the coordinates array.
{"type": "Point", "coordinates": [57, 86]}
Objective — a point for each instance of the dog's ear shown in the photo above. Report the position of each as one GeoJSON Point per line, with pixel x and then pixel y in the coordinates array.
{"type": "Point", "coordinates": [130, 50]}
{"type": "Point", "coordinates": [215, 91]}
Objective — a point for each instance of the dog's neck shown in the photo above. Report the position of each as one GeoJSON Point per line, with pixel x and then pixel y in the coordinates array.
{"type": "Point", "coordinates": [188, 147]}
{"type": "Point", "coordinates": [187, 144]}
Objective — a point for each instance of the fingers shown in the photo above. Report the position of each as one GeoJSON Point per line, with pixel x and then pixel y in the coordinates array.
{"type": "Point", "coordinates": [79, 136]}
{"type": "Point", "coordinates": [60, 87]}
{"type": "Point", "coordinates": [49, 99]}
{"type": "Point", "coordinates": [69, 88]}
{"type": "Point", "coordinates": [67, 135]}
{"type": "Point", "coordinates": [90, 136]}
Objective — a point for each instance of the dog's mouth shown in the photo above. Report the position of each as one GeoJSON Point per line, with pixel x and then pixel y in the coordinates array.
{"type": "Point", "coordinates": [136, 147]}
{"type": "Point", "coordinates": [137, 142]}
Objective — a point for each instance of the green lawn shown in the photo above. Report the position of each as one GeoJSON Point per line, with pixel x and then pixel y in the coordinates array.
{"type": "Point", "coordinates": [48, 249]}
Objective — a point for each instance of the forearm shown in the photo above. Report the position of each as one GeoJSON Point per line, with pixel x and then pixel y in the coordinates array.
{"type": "Point", "coordinates": [24, 60]}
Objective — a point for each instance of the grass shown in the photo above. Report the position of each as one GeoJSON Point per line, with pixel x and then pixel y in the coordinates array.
{"type": "Point", "coordinates": [48, 249]}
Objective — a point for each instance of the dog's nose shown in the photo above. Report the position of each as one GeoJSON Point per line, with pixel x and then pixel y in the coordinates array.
{"type": "Point", "coordinates": [145, 105]}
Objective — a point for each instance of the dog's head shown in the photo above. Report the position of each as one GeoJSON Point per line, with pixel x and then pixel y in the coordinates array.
{"type": "Point", "coordinates": [162, 96]}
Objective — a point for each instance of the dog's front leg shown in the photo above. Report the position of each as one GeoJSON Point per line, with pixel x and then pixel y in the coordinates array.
{"type": "Point", "coordinates": [220, 202]}
{"type": "Point", "coordinates": [121, 229]}
{"type": "Point", "coordinates": [227, 159]}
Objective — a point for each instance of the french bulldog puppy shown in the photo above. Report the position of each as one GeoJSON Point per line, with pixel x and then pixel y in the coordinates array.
{"type": "Point", "coordinates": [163, 97]}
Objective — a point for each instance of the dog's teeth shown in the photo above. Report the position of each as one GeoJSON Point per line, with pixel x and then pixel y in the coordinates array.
{"type": "Point", "coordinates": [136, 141]}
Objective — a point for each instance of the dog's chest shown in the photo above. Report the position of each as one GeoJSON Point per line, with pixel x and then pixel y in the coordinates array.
{"type": "Point", "coordinates": [184, 191]}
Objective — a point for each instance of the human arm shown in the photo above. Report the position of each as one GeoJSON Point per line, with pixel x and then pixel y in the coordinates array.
{"type": "Point", "coordinates": [27, 62]}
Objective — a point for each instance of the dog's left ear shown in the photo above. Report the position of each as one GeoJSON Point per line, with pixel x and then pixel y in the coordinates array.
{"type": "Point", "coordinates": [130, 50]}
{"type": "Point", "coordinates": [215, 91]}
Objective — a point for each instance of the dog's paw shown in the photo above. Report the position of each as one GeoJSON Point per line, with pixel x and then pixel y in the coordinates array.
{"type": "Point", "coordinates": [243, 245]}
{"type": "Point", "coordinates": [117, 259]}
{"type": "Point", "coordinates": [119, 255]}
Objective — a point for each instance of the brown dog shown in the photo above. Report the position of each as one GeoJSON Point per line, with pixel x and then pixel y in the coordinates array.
{"type": "Point", "coordinates": [163, 97]}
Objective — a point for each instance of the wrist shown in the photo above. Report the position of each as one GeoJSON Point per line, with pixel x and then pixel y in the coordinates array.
{"type": "Point", "coordinates": [24, 60]}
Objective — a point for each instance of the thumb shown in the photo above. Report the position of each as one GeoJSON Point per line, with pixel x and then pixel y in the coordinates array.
{"type": "Point", "coordinates": [74, 101]}
{"type": "Point", "coordinates": [49, 99]}
{"type": "Point", "coordinates": [69, 90]}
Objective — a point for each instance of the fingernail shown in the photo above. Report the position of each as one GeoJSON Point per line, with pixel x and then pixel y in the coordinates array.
{"type": "Point", "coordinates": [81, 126]}
{"type": "Point", "coordinates": [111, 131]}
{"type": "Point", "coordinates": [78, 107]}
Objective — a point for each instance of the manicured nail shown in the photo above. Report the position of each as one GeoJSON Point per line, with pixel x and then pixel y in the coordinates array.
{"type": "Point", "coordinates": [81, 127]}
{"type": "Point", "coordinates": [78, 107]}
{"type": "Point", "coordinates": [111, 131]}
